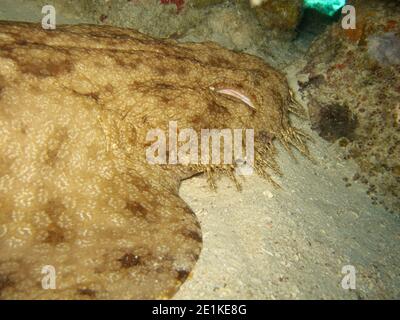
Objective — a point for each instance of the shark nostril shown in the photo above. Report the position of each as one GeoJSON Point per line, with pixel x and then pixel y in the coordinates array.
{"type": "Point", "coordinates": [236, 94]}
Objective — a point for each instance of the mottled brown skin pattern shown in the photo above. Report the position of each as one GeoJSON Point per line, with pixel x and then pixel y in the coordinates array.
{"type": "Point", "coordinates": [76, 191]}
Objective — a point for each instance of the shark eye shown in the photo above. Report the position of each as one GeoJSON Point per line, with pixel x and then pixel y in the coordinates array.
{"type": "Point", "coordinates": [236, 94]}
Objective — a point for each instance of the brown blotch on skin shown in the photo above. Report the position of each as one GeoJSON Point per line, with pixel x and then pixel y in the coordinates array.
{"type": "Point", "coordinates": [165, 100]}
{"type": "Point", "coordinates": [51, 156]}
{"type": "Point", "coordinates": [109, 88]}
{"type": "Point", "coordinates": [55, 235]}
{"type": "Point", "coordinates": [87, 292]}
{"type": "Point", "coordinates": [47, 68]}
{"type": "Point", "coordinates": [61, 135]}
{"type": "Point", "coordinates": [198, 120]}
{"type": "Point", "coordinates": [192, 235]}
{"type": "Point", "coordinates": [127, 63]}
{"type": "Point", "coordinates": [218, 61]}
{"type": "Point", "coordinates": [5, 282]}
{"type": "Point", "coordinates": [162, 71]}
{"type": "Point", "coordinates": [121, 61]}
{"type": "Point", "coordinates": [182, 275]}
{"type": "Point", "coordinates": [163, 86]}
{"type": "Point", "coordinates": [24, 130]}
{"type": "Point", "coordinates": [182, 70]}
{"type": "Point", "coordinates": [129, 260]}
{"type": "Point", "coordinates": [53, 209]}
{"type": "Point", "coordinates": [21, 42]}
{"type": "Point", "coordinates": [195, 257]}
{"type": "Point", "coordinates": [136, 208]}
{"type": "Point", "coordinates": [190, 212]}
{"type": "Point", "coordinates": [138, 60]}
{"type": "Point", "coordinates": [144, 186]}
{"type": "Point", "coordinates": [217, 108]}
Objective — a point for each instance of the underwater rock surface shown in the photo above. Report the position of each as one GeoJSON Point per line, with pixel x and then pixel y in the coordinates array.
{"type": "Point", "coordinates": [385, 48]}
{"type": "Point", "coordinates": [76, 190]}
{"type": "Point", "coordinates": [280, 15]}
{"type": "Point", "coordinates": [353, 88]}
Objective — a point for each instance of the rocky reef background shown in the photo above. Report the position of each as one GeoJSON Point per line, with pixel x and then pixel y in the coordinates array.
{"type": "Point", "coordinates": [352, 83]}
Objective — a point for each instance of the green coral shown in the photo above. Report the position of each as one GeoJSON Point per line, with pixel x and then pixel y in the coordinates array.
{"type": "Point", "coordinates": [329, 7]}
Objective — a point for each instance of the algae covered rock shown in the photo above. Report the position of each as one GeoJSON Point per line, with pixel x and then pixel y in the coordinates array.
{"type": "Point", "coordinates": [353, 90]}
{"type": "Point", "coordinates": [282, 15]}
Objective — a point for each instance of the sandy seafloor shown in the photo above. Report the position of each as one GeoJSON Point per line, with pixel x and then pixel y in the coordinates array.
{"type": "Point", "coordinates": [288, 243]}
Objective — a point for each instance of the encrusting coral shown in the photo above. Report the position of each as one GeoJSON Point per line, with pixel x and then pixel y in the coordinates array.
{"type": "Point", "coordinates": [353, 89]}
{"type": "Point", "coordinates": [76, 189]}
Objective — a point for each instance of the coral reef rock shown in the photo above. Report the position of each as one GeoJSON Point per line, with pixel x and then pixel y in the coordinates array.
{"type": "Point", "coordinates": [280, 15]}
{"type": "Point", "coordinates": [353, 88]}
